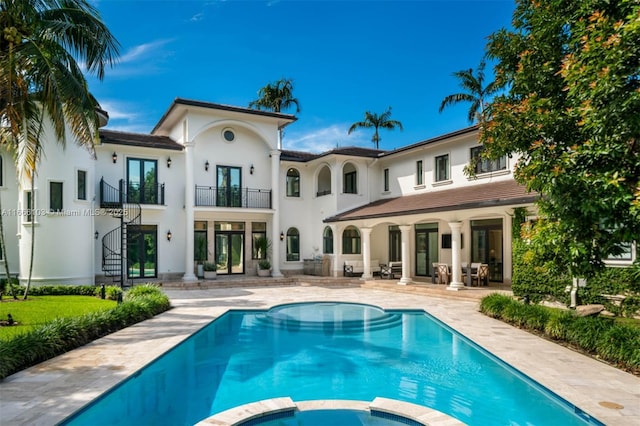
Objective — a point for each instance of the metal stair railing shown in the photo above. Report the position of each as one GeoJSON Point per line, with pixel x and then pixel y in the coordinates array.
{"type": "Point", "coordinates": [115, 262]}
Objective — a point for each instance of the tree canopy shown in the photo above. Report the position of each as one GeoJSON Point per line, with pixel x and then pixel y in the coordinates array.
{"type": "Point", "coordinates": [277, 97]}
{"type": "Point", "coordinates": [476, 92]}
{"type": "Point", "coordinates": [572, 113]}
{"type": "Point", "coordinates": [376, 121]}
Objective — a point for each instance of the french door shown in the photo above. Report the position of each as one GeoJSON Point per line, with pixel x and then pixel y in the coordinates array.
{"type": "Point", "coordinates": [142, 251]}
{"type": "Point", "coordinates": [229, 247]}
{"type": "Point", "coordinates": [487, 247]}
{"type": "Point", "coordinates": [426, 248]}
{"type": "Point", "coordinates": [229, 186]}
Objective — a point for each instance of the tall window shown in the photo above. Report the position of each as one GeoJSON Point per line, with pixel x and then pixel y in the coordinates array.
{"type": "Point", "coordinates": [293, 183]}
{"type": "Point", "coordinates": [324, 182]}
{"type": "Point", "coordinates": [81, 185]}
{"type": "Point", "coordinates": [293, 244]}
{"type": "Point", "coordinates": [142, 251]}
{"type": "Point", "coordinates": [386, 180]}
{"type": "Point", "coordinates": [486, 166]}
{"type": "Point", "coordinates": [55, 196]}
{"type": "Point", "coordinates": [351, 241]}
{"type": "Point", "coordinates": [327, 240]}
{"type": "Point", "coordinates": [442, 168]}
{"type": "Point", "coordinates": [28, 206]}
{"type": "Point", "coordinates": [259, 240]}
{"type": "Point", "coordinates": [142, 181]}
{"type": "Point", "coordinates": [200, 244]}
{"type": "Point", "coordinates": [350, 185]}
{"type": "Point", "coordinates": [419, 174]}
{"type": "Point", "coordinates": [229, 183]}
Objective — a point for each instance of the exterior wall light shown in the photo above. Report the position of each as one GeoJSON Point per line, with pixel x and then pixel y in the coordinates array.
{"type": "Point", "coordinates": [206, 166]}
{"type": "Point", "coordinates": [96, 234]}
{"type": "Point", "coordinates": [281, 236]}
{"type": "Point", "coordinates": [114, 157]}
{"type": "Point", "coordinates": [168, 162]}
{"type": "Point", "coordinates": [169, 235]}
{"type": "Point", "coordinates": [251, 169]}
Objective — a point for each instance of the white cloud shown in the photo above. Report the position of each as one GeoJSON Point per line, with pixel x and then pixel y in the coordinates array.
{"type": "Point", "coordinates": [143, 51]}
{"type": "Point", "coordinates": [322, 139]}
{"type": "Point", "coordinates": [197, 17]}
{"type": "Point", "coordinates": [125, 117]}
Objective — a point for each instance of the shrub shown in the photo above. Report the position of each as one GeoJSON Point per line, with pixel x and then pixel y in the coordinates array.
{"type": "Point", "coordinates": [63, 290]}
{"type": "Point", "coordinates": [605, 337]}
{"type": "Point", "coordinates": [111, 292]}
{"type": "Point", "coordinates": [63, 334]}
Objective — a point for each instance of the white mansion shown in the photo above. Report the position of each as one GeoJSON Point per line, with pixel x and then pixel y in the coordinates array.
{"type": "Point", "coordinates": [212, 179]}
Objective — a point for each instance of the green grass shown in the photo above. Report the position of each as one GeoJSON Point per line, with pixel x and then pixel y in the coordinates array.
{"type": "Point", "coordinates": [37, 310]}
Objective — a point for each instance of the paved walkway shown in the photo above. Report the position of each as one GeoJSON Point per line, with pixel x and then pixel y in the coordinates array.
{"type": "Point", "coordinates": [49, 392]}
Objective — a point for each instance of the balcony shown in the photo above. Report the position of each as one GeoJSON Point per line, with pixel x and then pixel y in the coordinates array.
{"type": "Point", "coordinates": [112, 197]}
{"type": "Point", "coordinates": [234, 197]}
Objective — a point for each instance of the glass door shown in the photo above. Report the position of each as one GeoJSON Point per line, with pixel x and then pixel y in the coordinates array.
{"type": "Point", "coordinates": [229, 186]}
{"type": "Point", "coordinates": [229, 248]}
{"type": "Point", "coordinates": [486, 246]}
{"type": "Point", "coordinates": [426, 248]}
{"type": "Point", "coordinates": [142, 181]}
{"type": "Point", "coordinates": [142, 253]}
{"type": "Point", "coordinates": [395, 244]}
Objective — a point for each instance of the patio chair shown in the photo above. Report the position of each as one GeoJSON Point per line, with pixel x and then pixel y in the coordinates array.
{"type": "Point", "coordinates": [481, 275]}
{"type": "Point", "coordinates": [443, 273]}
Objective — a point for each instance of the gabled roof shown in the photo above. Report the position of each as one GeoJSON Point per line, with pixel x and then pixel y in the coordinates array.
{"type": "Point", "coordinates": [469, 197]}
{"type": "Point", "coordinates": [353, 151]}
{"type": "Point", "coordinates": [283, 119]}
{"type": "Point", "coordinates": [139, 139]}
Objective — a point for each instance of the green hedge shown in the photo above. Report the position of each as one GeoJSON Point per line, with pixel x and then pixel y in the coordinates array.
{"type": "Point", "coordinates": [64, 334]}
{"type": "Point", "coordinates": [611, 341]}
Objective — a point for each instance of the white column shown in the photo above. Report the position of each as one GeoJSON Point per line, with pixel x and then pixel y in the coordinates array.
{"type": "Point", "coordinates": [366, 253]}
{"type": "Point", "coordinates": [404, 230]}
{"type": "Point", "coordinates": [189, 203]}
{"type": "Point", "coordinates": [276, 244]}
{"type": "Point", "coordinates": [456, 267]}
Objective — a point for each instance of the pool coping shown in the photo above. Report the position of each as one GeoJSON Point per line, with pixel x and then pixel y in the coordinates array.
{"type": "Point", "coordinates": [255, 410]}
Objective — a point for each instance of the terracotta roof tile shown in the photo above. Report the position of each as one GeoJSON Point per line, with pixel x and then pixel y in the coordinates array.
{"type": "Point", "coordinates": [469, 197]}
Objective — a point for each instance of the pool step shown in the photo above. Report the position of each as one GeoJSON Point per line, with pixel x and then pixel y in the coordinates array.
{"type": "Point", "coordinates": [347, 326]}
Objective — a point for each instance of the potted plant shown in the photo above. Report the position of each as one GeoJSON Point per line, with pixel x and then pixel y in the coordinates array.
{"type": "Point", "coordinates": [209, 270]}
{"type": "Point", "coordinates": [264, 268]}
{"type": "Point", "coordinates": [200, 255]}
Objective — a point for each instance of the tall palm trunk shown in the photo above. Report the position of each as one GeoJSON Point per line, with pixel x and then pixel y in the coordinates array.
{"type": "Point", "coordinates": [3, 244]}
{"type": "Point", "coordinates": [33, 233]}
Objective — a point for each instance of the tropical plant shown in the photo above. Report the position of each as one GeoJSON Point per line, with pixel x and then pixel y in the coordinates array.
{"type": "Point", "coordinates": [209, 266]}
{"type": "Point", "coordinates": [476, 92]}
{"type": "Point", "coordinates": [382, 121]}
{"type": "Point", "coordinates": [571, 115]}
{"type": "Point", "coordinates": [264, 264]}
{"type": "Point", "coordinates": [41, 80]}
{"type": "Point", "coordinates": [276, 97]}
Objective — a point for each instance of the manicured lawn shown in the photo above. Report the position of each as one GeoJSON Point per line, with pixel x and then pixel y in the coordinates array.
{"type": "Point", "coordinates": [37, 310]}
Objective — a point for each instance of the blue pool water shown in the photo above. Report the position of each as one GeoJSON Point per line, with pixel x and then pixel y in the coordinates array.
{"type": "Point", "coordinates": [331, 417]}
{"type": "Point", "coordinates": [328, 351]}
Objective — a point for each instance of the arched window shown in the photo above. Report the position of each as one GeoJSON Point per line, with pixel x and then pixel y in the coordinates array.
{"type": "Point", "coordinates": [293, 183]}
{"type": "Point", "coordinates": [324, 182]}
{"type": "Point", "coordinates": [293, 244]}
{"type": "Point", "coordinates": [327, 240]}
{"type": "Point", "coordinates": [350, 179]}
{"type": "Point", "coordinates": [351, 241]}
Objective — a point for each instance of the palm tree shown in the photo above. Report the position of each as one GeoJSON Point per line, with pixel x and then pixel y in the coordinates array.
{"type": "Point", "coordinates": [376, 121]}
{"type": "Point", "coordinates": [476, 92]}
{"type": "Point", "coordinates": [41, 80]}
{"type": "Point", "coordinates": [276, 96]}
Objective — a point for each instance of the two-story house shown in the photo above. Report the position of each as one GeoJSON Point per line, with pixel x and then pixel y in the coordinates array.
{"type": "Point", "coordinates": [210, 180]}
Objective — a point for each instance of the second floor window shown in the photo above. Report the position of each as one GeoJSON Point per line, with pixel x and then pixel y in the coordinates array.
{"type": "Point", "coordinates": [293, 183]}
{"type": "Point", "coordinates": [327, 241]}
{"type": "Point", "coordinates": [350, 179]}
{"type": "Point", "coordinates": [386, 180]}
{"type": "Point", "coordinates": [442, 168]}
{"type": "Point", "coordinates": [55, 196]}
{"type": "Point", "coordinates": [419, 178]}
{"type": "Point", "coordinates": [486, 166]}
{"type": "Point", "coordinates": [81, 182]}
{"type": "Point", "coordinates": [229, 184]}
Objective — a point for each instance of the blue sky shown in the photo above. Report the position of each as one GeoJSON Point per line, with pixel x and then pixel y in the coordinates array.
{"type": "Point", "coordinates": [345, 57]}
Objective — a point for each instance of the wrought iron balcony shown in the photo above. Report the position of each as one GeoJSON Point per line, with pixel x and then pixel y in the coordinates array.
{"type": "Point", "coordinates": [249, 198]}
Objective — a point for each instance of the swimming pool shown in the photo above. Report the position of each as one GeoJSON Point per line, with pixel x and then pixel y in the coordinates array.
{"type": "Point", "coordinates": [327, 351]}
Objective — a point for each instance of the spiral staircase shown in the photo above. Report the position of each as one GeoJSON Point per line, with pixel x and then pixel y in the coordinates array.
{"type": "Point", "coordinates": [115, 259]}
